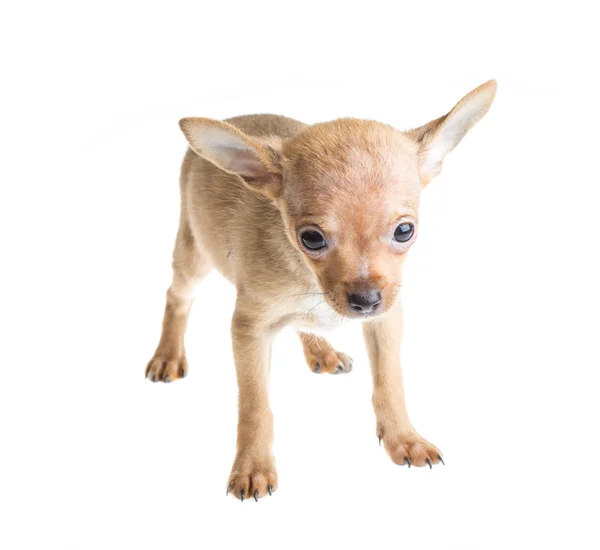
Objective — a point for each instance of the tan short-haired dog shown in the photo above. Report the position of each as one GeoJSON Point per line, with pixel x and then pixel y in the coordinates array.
{"type": "Point", "coordinates": [312, 225]}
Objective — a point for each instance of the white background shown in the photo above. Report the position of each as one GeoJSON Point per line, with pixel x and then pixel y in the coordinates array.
{"type": "Point", "coordinates": [501, 291]}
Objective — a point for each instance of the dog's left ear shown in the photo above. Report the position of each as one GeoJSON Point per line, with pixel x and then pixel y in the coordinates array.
{"type": "Point", "coordinates": [253, 160]}
{"type": "Point", "coordinates": [438, 137]}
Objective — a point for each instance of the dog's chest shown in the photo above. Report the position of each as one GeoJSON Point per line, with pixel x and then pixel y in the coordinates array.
{"type": "Point", "coordinates": [316, 316]}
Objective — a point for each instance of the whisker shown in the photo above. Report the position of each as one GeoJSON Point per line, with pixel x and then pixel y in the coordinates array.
{"type": "Point", "coordinates": [308, 312]}
{"type": "Point", "coordinates": [307, 294]}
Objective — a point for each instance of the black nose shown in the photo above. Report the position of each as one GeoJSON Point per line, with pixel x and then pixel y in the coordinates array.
{"type": "Point", "coordinates": [364, 302]}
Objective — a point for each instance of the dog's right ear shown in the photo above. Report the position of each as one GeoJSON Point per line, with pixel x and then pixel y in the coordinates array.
{"type": "Point", "coordinates": [257, 163]}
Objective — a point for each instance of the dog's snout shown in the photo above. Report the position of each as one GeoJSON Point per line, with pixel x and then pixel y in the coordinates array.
{"type": "Point", "coordinates": [364, 302]}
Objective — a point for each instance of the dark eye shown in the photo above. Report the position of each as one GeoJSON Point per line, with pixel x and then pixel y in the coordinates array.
{"type": "Point", "coordinates": [404, 232]}
{"type": "Point", "coordinates": [313, 240]}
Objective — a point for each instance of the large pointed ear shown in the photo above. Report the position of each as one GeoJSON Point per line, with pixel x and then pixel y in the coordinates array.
{"type": "Point", "coordinates": [256, 162]}
{"type": "Point", "coordinates": [438, 137]}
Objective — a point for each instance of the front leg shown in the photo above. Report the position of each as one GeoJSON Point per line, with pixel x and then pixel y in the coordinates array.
{"type": "Point", "coordinates": [321, 357]}
{"type": "Point", "coordinates": [404, 445]}
{"type": "Point", "coordinates": [253, 473]}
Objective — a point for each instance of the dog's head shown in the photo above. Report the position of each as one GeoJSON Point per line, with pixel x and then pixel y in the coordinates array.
{"type": "Point", "coordinates": [348, 192]}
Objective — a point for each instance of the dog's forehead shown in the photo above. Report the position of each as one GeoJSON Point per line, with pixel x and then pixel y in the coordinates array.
{"type": "Point", "coordinates": [349, 162]}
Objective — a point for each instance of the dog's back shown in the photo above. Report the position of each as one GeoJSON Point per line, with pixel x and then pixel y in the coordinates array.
{"type": "Point", "coordinates": [228, 221]}
{"type": "Point", "coordinates": [267, 125]}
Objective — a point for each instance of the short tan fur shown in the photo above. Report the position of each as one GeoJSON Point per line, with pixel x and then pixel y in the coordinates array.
{"type": "Point", "coordinates": [312, 225]}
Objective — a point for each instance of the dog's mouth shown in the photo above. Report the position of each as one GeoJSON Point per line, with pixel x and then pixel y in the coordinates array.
{"type": "Point", "coordinates": [361, 317]}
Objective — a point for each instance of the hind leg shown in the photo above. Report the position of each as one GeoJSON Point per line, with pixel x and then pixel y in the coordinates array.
{"type": "Point", "coordinates": [321, 357]}
{"type": "Point", "coordinates": [190, 266]}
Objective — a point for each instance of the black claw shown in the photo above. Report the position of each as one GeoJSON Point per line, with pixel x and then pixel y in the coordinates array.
{"type": "Point", "coordinates": [429, 462]}
{"type": "Point", "coordinates": [242, 495]}
{"type": "Point", "coordinates": [256, 495]}
{"type": "Point", "coordinates": [153, 377]}
{"type": "Point", "coordinates": [379, 437]}
{"type": "Point", "coordinates": [340, 368]}
{"type": "Point", "coordinates": [407, 460]}
{"type": "Point", "coordinates": [228, 489]}
{"type": "Point", "coordinates": [167, 380]}
{"type": "Point", "coordinates": [270, 489]}
{"type": "Point", "coordinates": [441, 460]}
{"type": "Point", "coordinates": [317, 368]}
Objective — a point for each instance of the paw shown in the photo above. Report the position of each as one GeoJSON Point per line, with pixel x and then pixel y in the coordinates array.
{"type": "Point", "coordinates": [165, 367]}
{"type": "Point", "coordinates": [252, 479]}
{"type": "Point", "coordinates": [329, 361]}
{"type": "Point", "coordinates": [410, 450]}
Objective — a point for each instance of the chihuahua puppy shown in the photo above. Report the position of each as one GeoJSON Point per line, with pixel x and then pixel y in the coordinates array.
{"type": "Point", "coordinates": [312, 225]}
